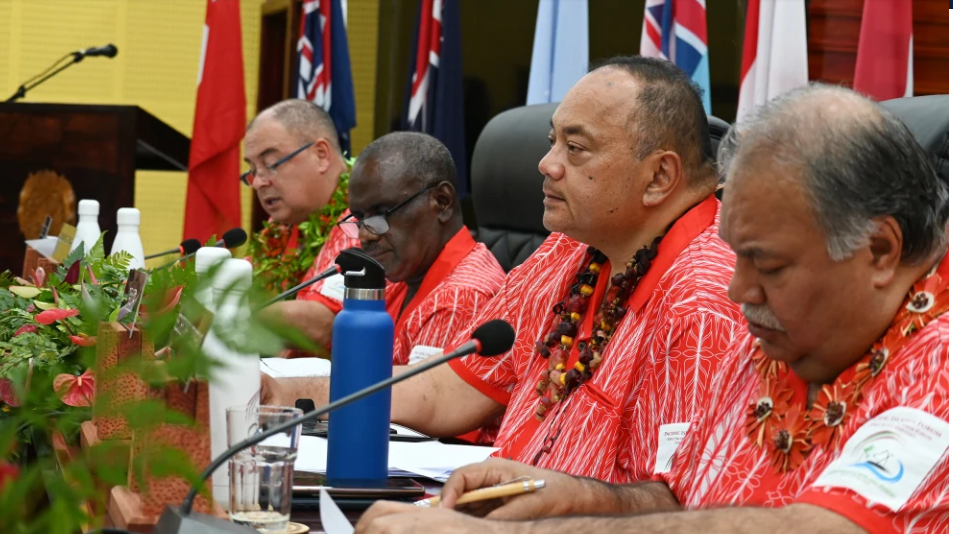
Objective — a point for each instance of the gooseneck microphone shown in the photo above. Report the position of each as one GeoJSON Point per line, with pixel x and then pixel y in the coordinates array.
{"type": "Point", "coordinates": [489, 339]}
{"type": "Point", "coordinates": [58, 66]}
{"type": "Point", "coordinates": [189, 246]}
{"type": "Point", "coordinates": [235, 237]}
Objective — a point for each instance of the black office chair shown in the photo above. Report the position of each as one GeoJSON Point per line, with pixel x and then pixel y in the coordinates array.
{"type": "Point", "coordinates": [506, 184]}
{"type": "Point", "coordinates": [928, 119]}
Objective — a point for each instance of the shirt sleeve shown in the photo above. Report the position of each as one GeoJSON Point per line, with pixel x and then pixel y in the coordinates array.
{"type": "Point", "coordinates": [896, 495]}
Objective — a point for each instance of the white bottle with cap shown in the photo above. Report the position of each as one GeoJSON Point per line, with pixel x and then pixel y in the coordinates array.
{"type": "Point", "coordinates": [87, 229]}
{"type": "Point", "coordinates": [238, 380]}
{"type": "Point", "coordinates": [127, 237]}
{"type": "Point", "coordinates": [205, 259]}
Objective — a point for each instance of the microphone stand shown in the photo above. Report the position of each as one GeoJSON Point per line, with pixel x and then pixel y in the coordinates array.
{"type": "Point", "coordinates": [326, 274]}
{"type": "Point", "coordinates": [467, 348]}
{"type": "Point", "coordinates": [45, 75]}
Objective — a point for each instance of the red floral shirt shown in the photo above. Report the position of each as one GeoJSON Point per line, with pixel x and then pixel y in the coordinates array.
{"type": "Point", "coordinates": [462, 279]}
{"type": "Point", "coordinates": [655, 369]}
{"type": "Point", "coordinates": [889, 470]}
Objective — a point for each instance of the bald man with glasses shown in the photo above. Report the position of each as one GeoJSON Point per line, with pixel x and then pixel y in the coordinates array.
{"type": "Point", "coordinates": [404, 213]}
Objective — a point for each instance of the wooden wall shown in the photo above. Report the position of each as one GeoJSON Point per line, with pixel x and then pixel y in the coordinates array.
{"type": "Point", "coordinates": [834, 30]}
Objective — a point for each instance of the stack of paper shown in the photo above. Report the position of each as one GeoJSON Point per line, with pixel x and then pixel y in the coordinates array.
{"type": "Point", "coordinates": [430, 459]}
{"type": "Point", "coordinates": [295, 367]}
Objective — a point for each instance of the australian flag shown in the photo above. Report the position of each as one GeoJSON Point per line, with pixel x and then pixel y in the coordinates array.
{"type": "Point", "coordinates": [677, 30]}
{"type": "Point", "coordinates": [434, 102]}
{"type": "Point", "coordinates": [324, 65]}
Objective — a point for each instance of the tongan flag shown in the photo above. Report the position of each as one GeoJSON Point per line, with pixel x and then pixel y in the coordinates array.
{"type": "Point", "coordinates": [434, 102]}
{"type": "Point", "coordinates": [212, 204]}
{"type": "Point", "coordinates": [324, 65]}
{"type": "Point", "coordinates": [885, 53]}
{"type": "Point", "coordinates": [677, 30]}
{"type": "Point", "coordinates": [774, 58]}
{"type": "Point", "coordinates": [560, 49]}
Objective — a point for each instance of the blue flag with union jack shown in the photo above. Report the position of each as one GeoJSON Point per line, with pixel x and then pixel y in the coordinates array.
{"type": "Point", "coordinates": [324, 65]}
{"type": "Point", "coordinates": [677, 30]}
{"type": "Point", "coordinates": [434, 103]}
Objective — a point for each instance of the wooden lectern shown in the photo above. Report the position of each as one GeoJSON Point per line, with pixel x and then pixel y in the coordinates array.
{"type": "Point", "coordinates": [70, 152]}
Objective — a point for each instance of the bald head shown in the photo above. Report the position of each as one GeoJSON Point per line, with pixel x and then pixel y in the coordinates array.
{"type": "Point", "coordinates": [855, 160]}
{"type": "Point", "coordinates": [301, 118]}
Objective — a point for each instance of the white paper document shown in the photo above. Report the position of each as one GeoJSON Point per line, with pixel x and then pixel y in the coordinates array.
{"type": "Point", "coordinates": [430, 459]}
{"type": "Point", "coordinates": [333, 520]}
{"type": "Point", "coordinates": [295, 367]}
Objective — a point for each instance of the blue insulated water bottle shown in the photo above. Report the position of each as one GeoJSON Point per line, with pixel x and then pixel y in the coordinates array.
{"type": "Point", "coordinates": [362, 352]}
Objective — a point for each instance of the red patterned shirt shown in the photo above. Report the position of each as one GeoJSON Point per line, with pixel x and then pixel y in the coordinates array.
{"type": "Point", "coordinates": [889, 471]}
{"type": "Point", "coordinates": [655, 370]}
{"type": "Point", "coordinates": [461, 280]}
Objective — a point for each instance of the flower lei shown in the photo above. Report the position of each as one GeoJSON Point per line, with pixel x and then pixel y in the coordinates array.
{"type": "Point", "coordinates": [793, 432]}
{"type": "Point", "coordinates": [556, 383]}
{"type": "Point", "coordinates": [278, 268]}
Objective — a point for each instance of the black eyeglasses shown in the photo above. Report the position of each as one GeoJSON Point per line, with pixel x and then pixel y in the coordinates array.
{"type": "Point", "coordinates": [269, 172]}
{"type": "Point", "coordinates": [376, 224]}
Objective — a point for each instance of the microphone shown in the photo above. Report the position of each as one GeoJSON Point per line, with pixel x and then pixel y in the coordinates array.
{"type": "Point", "coordinates": [189, 246]}
{"type": "Point", "coordinates": [109, 51]}
{"type": "Point", "coordinates": [489, 339]}
{"type": "Point", "coordinates": [58, 66]}
{"type": "Point", "coordinates": [235, 237]}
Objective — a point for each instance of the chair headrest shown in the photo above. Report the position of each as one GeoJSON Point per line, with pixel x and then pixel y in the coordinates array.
{"type": "Point", "coordinates": [928, 119]}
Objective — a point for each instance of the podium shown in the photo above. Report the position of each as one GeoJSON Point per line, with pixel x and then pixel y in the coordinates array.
{"type": "Point", "coordinates": [74, 151]}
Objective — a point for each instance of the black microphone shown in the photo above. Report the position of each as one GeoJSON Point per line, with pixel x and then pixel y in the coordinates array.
{"type": "Point", "coordinates": [489, 339]}
{"type": "Point", "coordinates": [58, 66]}
{"type": "Point", "coordinates": [109, 50]}
{"type": "Point", "coordinates": [186, 247]}
{"type": "Point", "coordinates": [235, 237]}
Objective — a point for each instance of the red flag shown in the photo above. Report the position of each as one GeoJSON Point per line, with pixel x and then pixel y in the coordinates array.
{"type": "Point", "coordinates": [885, 53]}
{"type": "Point", "coordinates": [213, 204]}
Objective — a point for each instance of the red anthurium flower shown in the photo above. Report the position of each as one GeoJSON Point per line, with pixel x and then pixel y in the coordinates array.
{"type": "Point", "coordinates": [6, 393]}
{"type": "Point", "coordinates": [25, 329]}
{"type": "Point", "coordinates": [169, 301]}
{"type": "Point", "coordinates": [39, 277]}
{"type": "Point", "coordinates": [83, 340]}
{"type": "Point", "coordinates": [72, 276]}
{"type": "Point", "coordinates": [51, 316]}
{"type": "Point", "coordinates": [75, 390]}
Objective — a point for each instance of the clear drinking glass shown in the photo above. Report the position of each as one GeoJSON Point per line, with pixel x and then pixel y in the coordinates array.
{"type": "Point", "coordinates": [260, 477]}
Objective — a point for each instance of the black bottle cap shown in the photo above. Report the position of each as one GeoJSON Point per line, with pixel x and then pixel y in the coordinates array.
{"type": "Point", "coordinates": [360, 270]}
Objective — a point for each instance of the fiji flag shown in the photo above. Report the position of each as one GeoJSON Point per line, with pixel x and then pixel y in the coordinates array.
{"type": "Point", "coordinates": [434, 102]}
{"type": "Point", "coordinates": [324, 65]}
{"type": "Point", "coordinates": [677, 30]}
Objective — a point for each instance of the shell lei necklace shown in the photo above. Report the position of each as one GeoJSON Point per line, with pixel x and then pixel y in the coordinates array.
{"type": "Point", "coordinates": [792, 432]}
{"type": "Point", "coordinates": [556, 382]}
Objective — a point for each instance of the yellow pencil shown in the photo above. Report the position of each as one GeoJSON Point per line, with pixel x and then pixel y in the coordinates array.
{"type": "Point", "coordinates": [493, 492]}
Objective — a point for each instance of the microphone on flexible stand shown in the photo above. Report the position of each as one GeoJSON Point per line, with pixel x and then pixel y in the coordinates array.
{"type": "Point", "coordinates": [489, 339]}
{"type": "Point", "coordinates": [235, 237]}
{"type": "Point", "coordinates": [189, 246]}
{"type": "Point", "coordinates": [327, 273]}
{"type": "Point", "coordinates": [58, 66]}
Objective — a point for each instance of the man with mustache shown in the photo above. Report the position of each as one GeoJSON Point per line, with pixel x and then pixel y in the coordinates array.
{"type": "Point", "coordinates": [621, 315]}
{"type": "Point", "coordinates": [833, 415]}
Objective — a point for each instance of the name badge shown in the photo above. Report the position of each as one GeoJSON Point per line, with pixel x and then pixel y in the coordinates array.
{"type": "Point", "coordinates": [669, 436]}
{"type": "Point", "coordinates": [421, 353]}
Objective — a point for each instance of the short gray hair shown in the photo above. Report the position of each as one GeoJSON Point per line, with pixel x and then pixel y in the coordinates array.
{"type": "Point", "coordinates": [857, 160]}
{"type": "Point", "coordinates": [303, 119]}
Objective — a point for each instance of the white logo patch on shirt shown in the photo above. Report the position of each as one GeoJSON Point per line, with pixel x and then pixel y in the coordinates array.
{"type": "Point", "coordinates": [333, 287]}
{"type": "Point", "coordinates": [889, 456]}
{"type": "Point", "coordinates": [421, 353]}
{"type": "Point", "coordinates": [669, 436]}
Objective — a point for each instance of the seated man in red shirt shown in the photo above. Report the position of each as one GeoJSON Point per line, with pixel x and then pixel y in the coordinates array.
{"type": "Point", "coordinates": [621, 316]}
{"type": "Point", "coordinates": [833, 415]}
{"type": "Point", "coordinates": [404, 212]}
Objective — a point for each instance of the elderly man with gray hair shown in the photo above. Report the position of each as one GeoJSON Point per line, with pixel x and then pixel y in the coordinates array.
{"type": "Point", "coordinates": [833, 416]}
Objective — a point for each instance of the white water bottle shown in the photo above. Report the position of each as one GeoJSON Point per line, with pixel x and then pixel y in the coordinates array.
{"type": "Point", "coordinates": [205, 259]}
{"type": "Point", "coordinates": [127, 237]}
{"type": "Point", "coordinates": [238, 380]}
{"type": "Point", "coordinates": [87, 229]}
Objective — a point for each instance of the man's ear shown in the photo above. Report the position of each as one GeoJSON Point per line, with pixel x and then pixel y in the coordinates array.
{"type": "Point", "coordinates": [443, 198]}
{"type": "Point", "coordinates": [666, 175]}
{"type": "Point", "coordinates": [322, 148]}
{"type": "Point", "coordinates": [885, 247]}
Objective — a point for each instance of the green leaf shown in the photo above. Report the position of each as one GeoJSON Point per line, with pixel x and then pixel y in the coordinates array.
{"type": "Point", "coordinates": [72, 258]}
{"type": "Point", "coordinates": [98, 252]}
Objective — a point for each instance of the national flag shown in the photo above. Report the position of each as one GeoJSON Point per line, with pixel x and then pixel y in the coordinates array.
{"type": "Point", "coordinates": [885, 52]}
{"type": "Point", "coordinates": [677, 30]}
{"type": "Point", "coordinates": [560, 49]}
{"type": "Point", "coordinates": [774, 57]}
{"type": "Point", "coordinates": [324, 65]}
{"type": "Point", "coordinates": [434, 103]}
{"type": "Point", "coordinates": [213, 203]}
